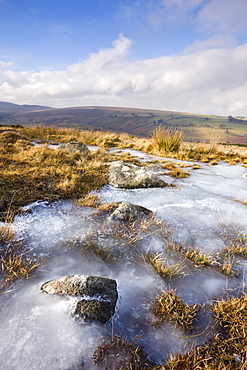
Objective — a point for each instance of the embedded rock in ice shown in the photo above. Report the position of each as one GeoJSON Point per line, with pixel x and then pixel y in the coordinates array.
{"type": "Point", "coordinates": [95, 309]}
{"type": "Point", "coordinates": [74, 146]}
{"type": "Point", "coordinates": [130, 176]}
{"type": "Point", "coordinates": [129, 212]}
{"type": "Point", "coordinates": [99, 295]}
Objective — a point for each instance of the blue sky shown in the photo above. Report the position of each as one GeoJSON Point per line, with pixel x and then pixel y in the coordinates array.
{"type": "Point", "coordinates": [183, 55]}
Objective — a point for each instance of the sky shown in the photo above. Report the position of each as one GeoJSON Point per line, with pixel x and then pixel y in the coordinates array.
{"type": "Point", "coordinates": [180, 55]}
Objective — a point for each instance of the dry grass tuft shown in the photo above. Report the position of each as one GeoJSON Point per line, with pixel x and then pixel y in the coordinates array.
{"type": "Point", "coordinates": [90, 200]}
{"type": "Point", "coordinates": [194, 254]}
{"type": "Point", "coordinates": [162, 266]}
{"type": "Point", "coordinates": [178, 173]}
{"type": "Point", "coordinates": [198, 258]}
{"type": "Point", "coordinates": [106, 207]}
{"type": "Point", "coordinates": [165, 140]}
{"type": "Point", "coordinates": [227, 349]}
{"type": "Point", "coordinates": [170, 306]}
{"type": "Point", "coordinates": [175, 171]}
{"type": "Point", "coordinates": [14, 261]}
{"type": "Point", "coordinates": [226, 265]}
{"type": "Point", "coordinates": [122, 355]}
{"type": "Point", "coordinates": [140, 229]}
{"type": "Point", "coordinates": [10, 137]}
{"type": "Point", "coordinates": [237, 246]}
{"type": "Point", "coordinates": [232, 315]}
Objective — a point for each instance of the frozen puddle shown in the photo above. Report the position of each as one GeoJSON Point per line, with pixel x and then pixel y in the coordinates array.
{"type": "Point", "coordinates": [37, 330]}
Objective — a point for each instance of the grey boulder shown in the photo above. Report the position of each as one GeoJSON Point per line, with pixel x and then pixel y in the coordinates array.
{"type": "Point", "coordinates": [75, 146]}
{"type": "Point", "coordinates": [128, 212]}
{"type": "Point", "coordinates": [96, 296]}
{"type": "Point", "coordinates": [129, 176]}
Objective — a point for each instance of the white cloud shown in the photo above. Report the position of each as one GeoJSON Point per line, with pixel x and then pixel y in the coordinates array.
{"type": "Point", "coordinates": [205, 81]}
{"type": "Point", "coordinates": [217, 41]}
{"type": "Point", "coordinates": [210, 17]}
{"type": "Point", "coordinates": [223, 16]}
{"type": "Point", "coordinates": [6, 64]}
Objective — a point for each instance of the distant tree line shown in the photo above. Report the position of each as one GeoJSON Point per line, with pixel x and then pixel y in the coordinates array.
{"type": "Point", "coordinates": [236, 120]}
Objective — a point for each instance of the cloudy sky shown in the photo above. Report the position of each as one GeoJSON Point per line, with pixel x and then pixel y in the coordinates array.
{"type": "Point", "coordinates": [183, 55]}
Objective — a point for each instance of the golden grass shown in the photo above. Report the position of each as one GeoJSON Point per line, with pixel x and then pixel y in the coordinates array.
{"type": "Point", "coordinates": [227, 350]}
{"type": "Point", "coordinates": [194, 254]}
{"type": "Point", "coordinates": [162, 266]}
{"type": "Point", "coordinates": [165, 140]}
{"type": "Point", "coordinates": [118, 354]}
{"type": "Point", "coordinates": [226, 265]}
{"type": "Point", "coordinates": [30, 173]}
{"type": "Point", "coordinates": [205, 152]}
{"type": "Point", "coordinates": [137, 230]}
{"type": "Point", "coordinates": [171, 306]}
{"type": "Point", "coordinates": [198, 257]}
{"type": "Point", "coordinates": [14, 260]}
{"type": "Point", "coordinates": [90, 200]}
{"type": "Point", "coordinates": [222, 261]}
{"type": "Point", "coordinates": [42, 173]}
{"type": "Point", "coordinates": [235, 246]}
{"type": "Point", "coordinates": [178, 173]}
{"type": "Point", "coordinates": [109, 206]}
{"type": "Point", "coordinates": [175, 171]}
{"type": "Point", "coordinates": [213, 153]}
{"type": "Point", "coordinates": [10, 137]}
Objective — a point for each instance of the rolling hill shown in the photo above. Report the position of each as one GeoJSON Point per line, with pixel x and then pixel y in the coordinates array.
{"type": "Point", "coordinates": [140, 122]}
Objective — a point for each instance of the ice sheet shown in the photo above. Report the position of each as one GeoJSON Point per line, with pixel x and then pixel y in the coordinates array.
{"type": "Point", "coordinates": [37, 330]}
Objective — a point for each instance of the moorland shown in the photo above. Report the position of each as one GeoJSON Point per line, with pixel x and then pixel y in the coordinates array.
{"type": "Point", "coordinates": [134, 121]}
{"type": "Point", "coordinates": [31, 172]}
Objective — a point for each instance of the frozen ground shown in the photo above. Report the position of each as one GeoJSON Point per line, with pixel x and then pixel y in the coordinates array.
{"type": "Point", "coordinates": [37, 330]}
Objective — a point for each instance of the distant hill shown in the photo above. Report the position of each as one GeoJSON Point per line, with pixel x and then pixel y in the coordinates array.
{"type": "Point", "coordinates": [136, 121]}
{"type": "Point", "coordinates": [12, 108]}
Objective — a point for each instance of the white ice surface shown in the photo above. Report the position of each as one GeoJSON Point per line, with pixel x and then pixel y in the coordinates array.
{"type": "Point", "coordinates": [37, 330]}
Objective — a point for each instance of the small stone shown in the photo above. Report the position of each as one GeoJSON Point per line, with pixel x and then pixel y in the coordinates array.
{"type": "Point", "coordinates": [129, 212]}
{"type": "Point", "coordinates": [75, 146]}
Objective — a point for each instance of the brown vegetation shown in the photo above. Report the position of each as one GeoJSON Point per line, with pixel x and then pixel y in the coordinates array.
{"type": "Point", "coordinates": [14, 260]}
{"type": "Point", "coordinates": [30, 173]}
{"type": "Point", "coordinates": [162, 266]}
{"type": "Point", "coordinates": [171, 306]}
{"type": "Point", "coordinates": [120, 354]}
{"type": "Point", "coordinates": [165, 140]}
{"type": "Point", "coordinates": [227, 349]}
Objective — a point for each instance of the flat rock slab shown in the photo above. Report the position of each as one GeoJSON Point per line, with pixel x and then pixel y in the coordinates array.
{"type": "Point", "coordinates": [98, 295]}
{"type": "Point", "coordinates": [129, 176]}
{"type": "Point", "coordinates": [128, 212]}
